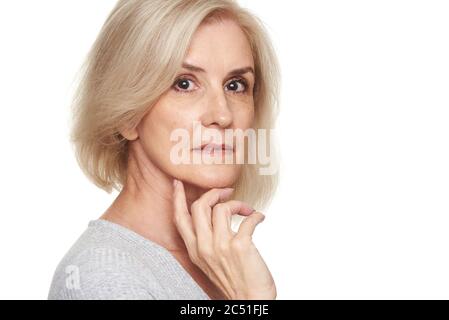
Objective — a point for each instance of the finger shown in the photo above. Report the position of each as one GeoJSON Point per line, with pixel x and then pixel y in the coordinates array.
{"type": "Point", "coordinates": [202, 210]}
{"type": "Point", "coordinates": [182, 218]}
{"type": "Point", "coordinates": [213, 196]}
{"type": "Point", "coordinates": [222, 214]}
{"type": "Point", "coordinates": [247, 227]}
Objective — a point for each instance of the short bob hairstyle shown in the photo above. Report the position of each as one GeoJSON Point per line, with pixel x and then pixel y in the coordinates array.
{"type": "Point", "coordinates": [135, 59]}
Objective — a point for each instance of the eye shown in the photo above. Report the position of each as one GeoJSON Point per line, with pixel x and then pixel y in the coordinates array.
{"type": "Point", "coordinates": [184, 85]}
{"type": "Point", "coordinates": [237, 85]}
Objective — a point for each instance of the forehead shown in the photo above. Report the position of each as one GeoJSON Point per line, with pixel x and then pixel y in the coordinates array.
{"type": "Point", "coordinates": [220, 44]}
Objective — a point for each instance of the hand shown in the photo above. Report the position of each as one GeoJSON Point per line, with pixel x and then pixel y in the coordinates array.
{"type": "Point", "coordinates": [228, 258]}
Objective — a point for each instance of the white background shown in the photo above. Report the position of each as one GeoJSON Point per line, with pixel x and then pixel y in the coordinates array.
{"type": "Point", "coordinates": [363, 207]}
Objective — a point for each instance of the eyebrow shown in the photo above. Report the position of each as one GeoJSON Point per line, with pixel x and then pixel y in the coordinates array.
{"type": "Point", "coordinates": [235, 72]}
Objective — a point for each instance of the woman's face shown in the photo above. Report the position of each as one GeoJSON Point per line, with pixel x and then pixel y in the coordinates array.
{"type": "Point", "coordinates": [214, 89]}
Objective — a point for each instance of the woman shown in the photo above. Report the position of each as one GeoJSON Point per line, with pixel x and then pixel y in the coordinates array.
{"type": "Point", "coordinates": [159, 66]}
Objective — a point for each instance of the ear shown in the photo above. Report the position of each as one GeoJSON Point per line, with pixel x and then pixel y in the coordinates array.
{"type": "Point", "coordinates": [130, 133]}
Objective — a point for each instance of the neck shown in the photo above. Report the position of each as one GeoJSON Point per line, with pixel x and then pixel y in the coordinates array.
{"type": "Point", "coordinates": [145, 203]}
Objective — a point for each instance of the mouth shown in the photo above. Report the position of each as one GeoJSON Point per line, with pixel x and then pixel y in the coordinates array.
{"type": "Point", "coordinates": [213, 148]}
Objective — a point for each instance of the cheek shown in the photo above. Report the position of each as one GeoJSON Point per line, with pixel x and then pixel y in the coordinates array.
{"type": "Point", "coordinates": [244, 117]}
{"type": "Point", "coordinates": [168, 117]}
{"type": "Point", "coordinates": [159, 127]}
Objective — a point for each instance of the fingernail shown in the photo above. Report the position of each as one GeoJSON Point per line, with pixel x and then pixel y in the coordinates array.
{"type": "Point", "coordinates": [259, 213]}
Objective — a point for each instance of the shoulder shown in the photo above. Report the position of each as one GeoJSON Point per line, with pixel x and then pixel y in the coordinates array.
{"type": "Point", "coordinates": [103, 272]}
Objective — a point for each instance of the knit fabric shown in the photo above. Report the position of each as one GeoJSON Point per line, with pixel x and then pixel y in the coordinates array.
{"type": "Point", "coordinates": [109, 261]}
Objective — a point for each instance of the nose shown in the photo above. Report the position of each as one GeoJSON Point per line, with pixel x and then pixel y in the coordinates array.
{"type": "Point", "coordinates": [217, 112]}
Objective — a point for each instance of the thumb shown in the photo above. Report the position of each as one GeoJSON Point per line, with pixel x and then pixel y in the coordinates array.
{"type": "Point", "coordinates": [250, 223]}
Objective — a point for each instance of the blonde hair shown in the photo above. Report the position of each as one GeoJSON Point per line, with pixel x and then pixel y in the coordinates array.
{"type": "Point", "coordinates": [135, 59]}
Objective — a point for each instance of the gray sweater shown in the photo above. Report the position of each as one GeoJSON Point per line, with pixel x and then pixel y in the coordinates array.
{"type": "Point", "coordinates": [109, 261]}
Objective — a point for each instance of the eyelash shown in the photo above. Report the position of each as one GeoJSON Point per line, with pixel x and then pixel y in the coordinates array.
{"type": "Point", "coordinates": [239, 80]}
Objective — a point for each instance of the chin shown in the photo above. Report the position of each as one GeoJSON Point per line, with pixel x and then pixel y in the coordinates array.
{"type": "Point", "coordinates": [214, 176]}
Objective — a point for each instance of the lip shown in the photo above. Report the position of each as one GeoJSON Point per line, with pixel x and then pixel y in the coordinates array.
{"type": "Point", "coordinates": [215, 146]}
